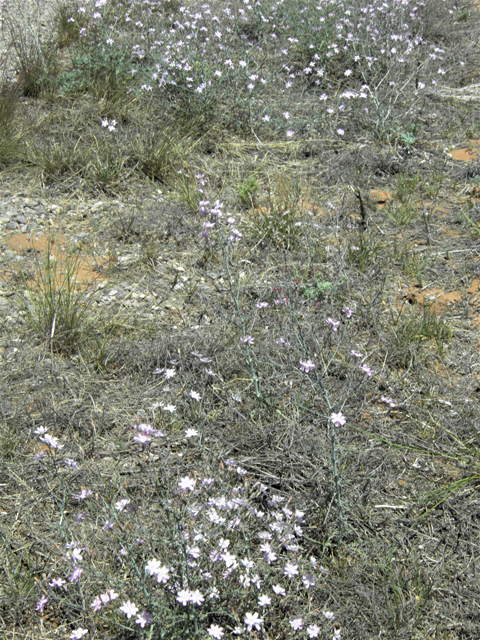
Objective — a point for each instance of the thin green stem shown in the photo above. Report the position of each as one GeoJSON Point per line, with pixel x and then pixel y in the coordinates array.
{"type": "Point", "coordinates": [234, 297]}
{"type": "Point", "coordinates": [336, 477]}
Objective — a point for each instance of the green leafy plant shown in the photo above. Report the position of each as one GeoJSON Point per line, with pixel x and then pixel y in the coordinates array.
{"type": "Point", "coordinates": [105, 72]}
{"type": "Point", "coordinates": [248, 192]}
{"type": "Point", "coordinates": [318, 291]}
{"type": "Point", "coordinates": [407, 138]}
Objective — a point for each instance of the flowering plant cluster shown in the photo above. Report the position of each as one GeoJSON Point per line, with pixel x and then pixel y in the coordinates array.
{"type": "Point", "coordinates": [236, 555]}
{"type": "Point", "coordinates": [210, 58]}
{"type": "Point", "coordinates": [226, 554]}
{"type": "Point", "coordinates": [232, 552]}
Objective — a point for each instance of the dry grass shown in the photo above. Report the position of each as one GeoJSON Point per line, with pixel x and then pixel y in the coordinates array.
{"type": "Point", "coordinates": [390, 499]}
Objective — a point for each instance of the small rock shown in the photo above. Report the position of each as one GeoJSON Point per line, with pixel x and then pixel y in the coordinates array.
{"type": "Point", "coordinates": [98, 206]}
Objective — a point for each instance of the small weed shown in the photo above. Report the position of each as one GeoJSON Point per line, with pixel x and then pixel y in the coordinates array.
{"type": "Point", "coordinates": [410, 263]}
{"type": "Point", "coordinates": [407, 184]}
{"type": "Point", "coordinates": [106, 169]}
{"type": "Point", "coordinates": [433, 499]}
{"type": "Point", "coordinates": [248, 192]}
{"type": "Point", "coordinates": [470, 133]}
{"type": "Point", "coordinates": [18, 572]}
{"type": "Point", "coordinates": [186, 188]}
{"type": "Point", "coordinates": [432, 187]}
{"type": "Point", "coordinates": [54, 158]}
{"type": "Point", "coordinates": [57, 308]}
{"type": "Point", "coordinates": [150, 249]}
{"type": "Point", "coordinates": [279, 221]}
{"type": "Point", "coordinates": [401, 214]}
{"type": "Point", "coordinates": [100, 349]}
{"type": "Point", "coordinates": [318, 291]}
{"type": "Point", "coordinates": [474, 226]}
{"type": "Point", "coordinates": [362, 248]}
{"type": "Point", "coordinates": [8, 441]}
{"type": "Point", "coordinates": [159, 155]}
{"type": "Point", "coordinates": [409, 136]}
{"type": "Point", "coordinates": [436, 329]}
{"type": "Point", "coordinates": [408, 590]}
{"type": "Point", "coordinates": [411, 332]}
{"type": "Point", "coordinates": [126, 228]}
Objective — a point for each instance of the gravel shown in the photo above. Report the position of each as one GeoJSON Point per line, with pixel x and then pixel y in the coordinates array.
{"type": "Point", "coordinates": [124, 279]}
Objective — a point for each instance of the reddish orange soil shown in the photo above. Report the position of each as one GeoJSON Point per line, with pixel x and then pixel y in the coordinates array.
{"type": "Point", "coordinates": [468, 153]}
{"type": "Point", "coordinates": [88, 269]}
{"type": "Point", "coordinates": [379, 196]}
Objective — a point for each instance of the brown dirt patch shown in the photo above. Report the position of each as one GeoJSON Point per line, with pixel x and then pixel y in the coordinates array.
{"type": "Point", "coordinates": [439, 301]}
{"type": "Point", "coordinates": [467, 154]}
{"type": "Point", "coordinates": [474, 287]}
{"type": "Point", "coordinates": [436, 299]}
{"type": "Point", "coordinates": [89, 268]}
{"type": "Point", "coordinates": [380, 197]}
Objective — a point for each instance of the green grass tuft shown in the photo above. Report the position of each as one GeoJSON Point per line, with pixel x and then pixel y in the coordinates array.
{"type": "Point", "coordinates": [58, 307]}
